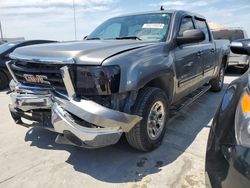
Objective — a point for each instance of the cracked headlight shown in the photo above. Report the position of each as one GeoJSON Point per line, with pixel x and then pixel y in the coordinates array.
{"type": "Point", "coordinates": [97, 80]}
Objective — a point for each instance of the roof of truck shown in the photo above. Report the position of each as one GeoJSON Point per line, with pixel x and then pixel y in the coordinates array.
{"type": "Point", "coordinates": [165, 11]}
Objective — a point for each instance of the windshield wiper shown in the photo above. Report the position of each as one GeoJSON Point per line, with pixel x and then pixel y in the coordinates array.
{"type": "Point", "coordinates": [117, 38]}
{"type": "Point", "coordinates": [128, 37]}
{"type": "Point", "coordinates": [94, 38]}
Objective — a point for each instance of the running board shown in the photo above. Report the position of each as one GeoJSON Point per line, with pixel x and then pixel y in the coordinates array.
{"type": "Point", "coordinates": [189, 99]}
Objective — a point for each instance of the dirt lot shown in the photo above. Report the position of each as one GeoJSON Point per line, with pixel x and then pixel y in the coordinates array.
{"type": "Point", "coordinates": [30, 158]}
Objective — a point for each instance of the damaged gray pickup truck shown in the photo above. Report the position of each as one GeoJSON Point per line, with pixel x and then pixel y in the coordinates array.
{"type": "Point", "coordinates": [127, 77]}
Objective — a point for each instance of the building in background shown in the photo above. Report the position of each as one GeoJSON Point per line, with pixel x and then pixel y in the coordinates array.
{"type": "Point", "coordinates": [11, 39]}
{"type": "Point", "coordinates": [216, 26]}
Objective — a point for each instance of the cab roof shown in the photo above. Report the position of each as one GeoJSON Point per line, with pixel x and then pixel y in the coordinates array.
{"type": "Point", "coordinates": [178, 12]}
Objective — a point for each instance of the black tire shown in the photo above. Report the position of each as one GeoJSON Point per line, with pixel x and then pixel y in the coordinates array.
{"type": "Point", "coordinates": [138, 137]}
{"type": "Point", "coordinates": [217, 83]}
{"type": "Point", "coordinates": [4, 81]}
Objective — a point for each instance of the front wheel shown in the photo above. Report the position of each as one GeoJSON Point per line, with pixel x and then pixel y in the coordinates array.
{"type": "Point", "coordinates": [152, 106]}
{"type": "Point", "coordinates": [217, 83]}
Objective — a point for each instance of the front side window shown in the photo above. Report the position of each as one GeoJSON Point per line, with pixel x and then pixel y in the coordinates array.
{"type": "Point", "coordinates": [147, 27]}
{"type": "Point", "coordinates": [186, 24]}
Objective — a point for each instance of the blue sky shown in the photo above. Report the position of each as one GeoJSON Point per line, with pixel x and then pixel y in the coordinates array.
{"type": "Point", "coordinates": [53, 19]}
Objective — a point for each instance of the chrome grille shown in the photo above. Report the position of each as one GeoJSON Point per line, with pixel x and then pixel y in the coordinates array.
{"type": "Point", "coordinates": [51, 72]}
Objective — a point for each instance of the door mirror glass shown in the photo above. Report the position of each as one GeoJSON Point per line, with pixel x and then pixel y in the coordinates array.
{"type": "Point", "coordinates": [191, 36]}
{"type": "Point", "coordinates": [241, 46]}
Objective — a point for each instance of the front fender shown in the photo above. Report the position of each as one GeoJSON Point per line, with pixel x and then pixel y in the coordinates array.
{"type": "Point", "coordinates": [140, 66]}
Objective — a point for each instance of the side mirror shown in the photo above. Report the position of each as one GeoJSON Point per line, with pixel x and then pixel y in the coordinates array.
{"type": "Point", "coordinates": [191, 36]}
{"type": "Point", "coordinates": [85, 37]}
{"type": "Point", "coordinates": [241, 46]}
{"type": "Point", "coordinates": [6, 55]}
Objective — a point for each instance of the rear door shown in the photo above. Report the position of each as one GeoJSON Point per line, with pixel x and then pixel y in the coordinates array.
{"type": "Point", "coordinates": [189, 68]}
{"type": "Point", "coordinates": [208, 49]}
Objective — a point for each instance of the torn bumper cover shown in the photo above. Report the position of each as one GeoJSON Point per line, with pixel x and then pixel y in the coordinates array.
{"type": "Point", "coordinates": [72, 118]}
{"type": "Point", "coordinates": [80, 122]}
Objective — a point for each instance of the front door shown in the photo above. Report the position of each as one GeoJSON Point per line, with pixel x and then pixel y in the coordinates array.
{"type": "Point", "coordinates": [188, 62]}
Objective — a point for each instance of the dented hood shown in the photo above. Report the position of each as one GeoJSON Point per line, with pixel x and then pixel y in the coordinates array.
{"type": "Point", "coordinates": [88, 52]}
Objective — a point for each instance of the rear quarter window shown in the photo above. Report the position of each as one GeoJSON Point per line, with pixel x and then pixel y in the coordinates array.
{"type": "Point", "coordinates": [201, 24]}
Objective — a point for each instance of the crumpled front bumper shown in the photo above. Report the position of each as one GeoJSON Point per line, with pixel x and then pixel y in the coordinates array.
{"type": "Point", "coordinates": [80, 135]}
{"type": "Point", "coordinates": [80, 122]}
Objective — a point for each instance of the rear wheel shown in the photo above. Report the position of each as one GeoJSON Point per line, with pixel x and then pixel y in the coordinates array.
{"type": "Point", "coordinates": [4, 81]}
{"type": "Point", "coordinates": [152, 105]}
{"type": "Point", "coordinates": [217, 83]}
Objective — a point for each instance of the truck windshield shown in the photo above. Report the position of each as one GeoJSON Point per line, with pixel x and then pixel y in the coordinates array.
{"type": "Point", "coordinates": [147, 27]}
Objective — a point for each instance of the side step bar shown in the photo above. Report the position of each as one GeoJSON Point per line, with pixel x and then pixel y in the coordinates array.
{"type": "Point", "coordinates": [189, 99]}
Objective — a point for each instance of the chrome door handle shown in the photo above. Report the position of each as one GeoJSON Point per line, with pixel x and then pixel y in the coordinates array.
{"type": "Point", "coordinates": [190, 64]}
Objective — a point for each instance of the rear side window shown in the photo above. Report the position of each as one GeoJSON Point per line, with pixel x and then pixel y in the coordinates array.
{"type": "Point", "coordinates": [186, 24]}
{"type": "Point", "coordinates": [201, 24]}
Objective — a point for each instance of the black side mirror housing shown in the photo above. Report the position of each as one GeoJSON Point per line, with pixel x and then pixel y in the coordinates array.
{"type": "Point", "coordinates": [85, 37]}
{"type": "Point", "coordinates": [191, 36]}
{"type": "Point", "coordinates": [241, 46]}
{"type": "Point", "coordinates": [6, 55]}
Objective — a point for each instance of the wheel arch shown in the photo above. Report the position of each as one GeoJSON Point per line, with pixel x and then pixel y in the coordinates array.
{"type": "Point", "coordinates": [164, 82]}
{"type": "Point", "coordinates": [224, 61]}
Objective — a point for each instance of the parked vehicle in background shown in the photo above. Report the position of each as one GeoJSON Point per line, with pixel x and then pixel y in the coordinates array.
{"type": "Point", "coordinates": [232, 34]}
{"type": "Point", "coordinates": [228, 148]}
{"type": "Point", "coordinates": [5, 50]}
{"type": "Point", "coordinates": [122, 79]}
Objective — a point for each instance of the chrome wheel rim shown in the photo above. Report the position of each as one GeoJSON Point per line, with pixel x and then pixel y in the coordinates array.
{"type": "Point", "coordinates": [156, 120]}
{"type": "Point", "coordinates": [221, 77]}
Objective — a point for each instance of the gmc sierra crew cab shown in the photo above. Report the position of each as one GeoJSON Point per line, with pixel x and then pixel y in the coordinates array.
{"type": "Point", "coordinates": [127, 77]}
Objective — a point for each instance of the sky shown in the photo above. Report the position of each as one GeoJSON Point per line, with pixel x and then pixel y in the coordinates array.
{"type": "Point", "coordinates": [54, 19]}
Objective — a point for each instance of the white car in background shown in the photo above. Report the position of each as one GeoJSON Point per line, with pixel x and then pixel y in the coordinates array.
{"type": "Point", "coordinates": [232, 34]}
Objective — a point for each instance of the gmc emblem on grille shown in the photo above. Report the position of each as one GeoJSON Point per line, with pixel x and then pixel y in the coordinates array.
{"type": "Point", "coordinates": [36, 78]}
